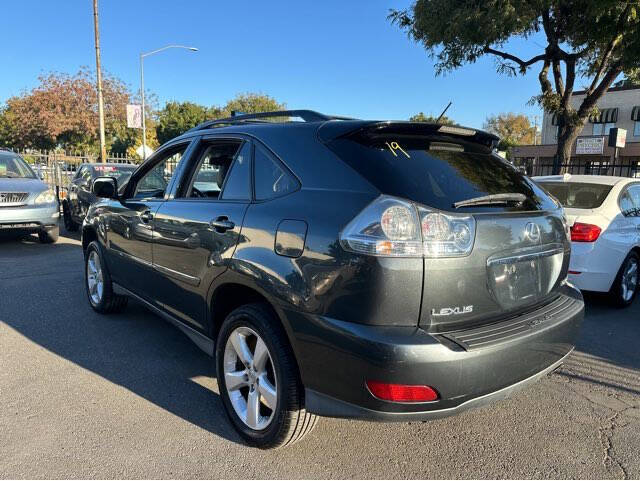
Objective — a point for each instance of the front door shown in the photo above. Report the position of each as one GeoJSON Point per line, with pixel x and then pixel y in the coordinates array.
{"type": "Point", "coordinates": [130, 229]}
{"type": "Point", "coordinates": [197, 230]}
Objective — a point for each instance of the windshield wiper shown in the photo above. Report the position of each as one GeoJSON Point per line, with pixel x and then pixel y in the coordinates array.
{"type": "Point", "coordinates": [493, 199]}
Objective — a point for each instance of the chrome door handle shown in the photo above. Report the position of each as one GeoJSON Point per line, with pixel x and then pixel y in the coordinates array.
{"type": "Point", "coordinates": [146, 217]}
{"type": "Point", "coordinates": [222, 224]}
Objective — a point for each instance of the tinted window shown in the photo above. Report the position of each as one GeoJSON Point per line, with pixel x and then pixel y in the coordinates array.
{"type": "Point", "coordinates": [215, 159]}
{"type": "Point", "coordinates": [435, 173]}
{"type": "Point", "coordinates": [271, 180]}
{"type": "Point", "coordinates": [155, 182]}
{"type": "Point", "coordinates": [577, 195]}
{"type": "Point", "coordinates": [238, 185]}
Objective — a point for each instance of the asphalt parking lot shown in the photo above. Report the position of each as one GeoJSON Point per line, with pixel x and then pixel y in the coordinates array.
{"type": "Point", "coordinates": [129, 396]}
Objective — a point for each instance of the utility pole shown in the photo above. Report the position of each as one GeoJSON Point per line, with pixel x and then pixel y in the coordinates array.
{"type": "Point", "coordinates": [103, 149]}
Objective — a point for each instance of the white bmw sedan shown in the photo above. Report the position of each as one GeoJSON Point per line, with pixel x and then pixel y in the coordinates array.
{"type": "Point", "coordinates": [604, 215]}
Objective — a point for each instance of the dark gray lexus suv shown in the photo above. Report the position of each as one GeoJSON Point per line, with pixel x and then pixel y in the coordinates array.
{"type": "Point", "coordinates": [390, 271]}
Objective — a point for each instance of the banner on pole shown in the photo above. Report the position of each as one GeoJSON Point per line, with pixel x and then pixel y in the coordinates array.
{"type": "Point", "coordinates": [134, 116]}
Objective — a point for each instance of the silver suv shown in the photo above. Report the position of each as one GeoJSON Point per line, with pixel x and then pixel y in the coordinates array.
{"type": "Point", "coordinates": [26, 203]}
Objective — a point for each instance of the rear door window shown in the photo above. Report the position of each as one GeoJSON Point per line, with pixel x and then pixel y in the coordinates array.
{"type": "Point", "coordinates": [578, 195]}
{"type": "Point", "coordinates": [634, 192]}
{"type": "Point", "coordinates": [435, 173]}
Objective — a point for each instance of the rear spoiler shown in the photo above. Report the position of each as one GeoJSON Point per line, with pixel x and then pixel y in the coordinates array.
{"type": "Point", "coordinates": [332, 130]}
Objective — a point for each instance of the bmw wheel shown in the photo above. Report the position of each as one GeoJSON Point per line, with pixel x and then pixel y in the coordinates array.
{"type": "Point", "coordinates": [625, 287]}
{"type": "Point", "coordinates": [258, 379]}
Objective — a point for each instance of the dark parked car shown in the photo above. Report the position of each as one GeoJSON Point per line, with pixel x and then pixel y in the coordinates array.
{"type": "Point", "coordinates": [389, 271]}
{"type": "Point", "coordinates": [79, 192]}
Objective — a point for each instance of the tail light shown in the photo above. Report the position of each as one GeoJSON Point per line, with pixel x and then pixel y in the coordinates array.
{"type": "Point", "coordinates": [402, 392]}
{"type": "Point", "coordinates": [584, 232]}
{"type": "Point", "coordinates": [398, 228]}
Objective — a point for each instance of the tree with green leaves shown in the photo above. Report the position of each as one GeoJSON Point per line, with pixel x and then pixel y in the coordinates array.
{"type": "Point", "coordinates": [251, 103]}
{"type": "Point", "coordinates": [178, 117]}
{"type": "Point", "coordinates": [513, 129]}
{"type": "Point", "coordinates": [595, 41]}
{"type": "Point", "coordinates": [61, 112]}
{"type": "Point", "coordinates": [421, 117]}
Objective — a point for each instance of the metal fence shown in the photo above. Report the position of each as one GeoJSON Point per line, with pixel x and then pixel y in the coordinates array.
{"type": "Point", "coordinates": [57, 168]}
{"type": "Point", "coordinates": [590, 167]}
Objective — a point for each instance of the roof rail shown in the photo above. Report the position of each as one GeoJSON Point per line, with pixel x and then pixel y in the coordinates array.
{"type": "Point", "coordinates": [306, 115]}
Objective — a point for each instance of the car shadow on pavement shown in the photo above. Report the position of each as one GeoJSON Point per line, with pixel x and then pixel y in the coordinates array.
{"type": "Point", "coordinates": [607, 349]}
{"type": "Point", "coordinates": [134, 349]}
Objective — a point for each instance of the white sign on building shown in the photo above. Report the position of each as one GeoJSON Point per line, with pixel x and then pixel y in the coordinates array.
{"type": "Point", "coordinates": [134, 116]}
{"type": "Point", "coordinates": [590, 146]}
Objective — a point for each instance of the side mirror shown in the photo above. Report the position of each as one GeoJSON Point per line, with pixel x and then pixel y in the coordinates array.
{"type": "Point", "coordinates": [105, 187]}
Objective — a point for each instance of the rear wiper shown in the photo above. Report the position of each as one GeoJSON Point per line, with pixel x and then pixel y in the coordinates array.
{"type": "Point", "coordinates": [493, 199]}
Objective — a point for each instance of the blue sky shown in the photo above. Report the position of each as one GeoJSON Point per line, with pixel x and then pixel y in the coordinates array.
{"type": "Point", "coordinates": [340, 57]}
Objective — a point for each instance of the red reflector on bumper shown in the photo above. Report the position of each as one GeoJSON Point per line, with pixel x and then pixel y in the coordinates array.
{"type": "Point", "coordinates": [575, 272]}
{"type": "Point", "coordinates": [402, 392]}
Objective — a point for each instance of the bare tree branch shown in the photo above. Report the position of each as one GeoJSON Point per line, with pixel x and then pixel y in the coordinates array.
{"type": "Point", "coordinates": [592, 97]}
{"type": "Point", "coordinates": [543, 77]}
{"type": "Point", "coordinates": [557, 75]}
{"type": "Point", "coordinates": [524, 64]}
{"type": "Point", "coordinates": [613, 43]}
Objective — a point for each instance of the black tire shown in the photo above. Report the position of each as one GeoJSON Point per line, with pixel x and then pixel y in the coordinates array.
{"type": "Point", "coordinates": [49, 236]}
{"type": "Point", "coordinates": [617, 291]}
{"type": "Point", "coordinates": [69, 223]}
{"type": "Point", "coordinates": [109, 301]}
{"type": "Point", "coordinates": [290, 421]}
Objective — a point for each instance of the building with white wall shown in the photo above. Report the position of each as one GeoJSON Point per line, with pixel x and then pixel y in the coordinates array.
{"type": "Point", "coordinates": [619, 107]}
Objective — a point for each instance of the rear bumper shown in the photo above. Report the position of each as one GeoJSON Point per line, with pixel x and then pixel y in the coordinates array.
{"type": "Point", "coordinates": [597, 264]}
{"type": "Point", "coordinates": [328, 406]}
{"type": "Point", "coordinates": [336, 358]}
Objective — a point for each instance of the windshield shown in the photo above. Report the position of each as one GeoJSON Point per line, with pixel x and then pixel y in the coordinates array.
{"type": "Point", "coordinates": [438, 173]}
{"type": "Point", "coordinates": [577, 195]}
{"type": "Point", "coordinates": [12, 166]}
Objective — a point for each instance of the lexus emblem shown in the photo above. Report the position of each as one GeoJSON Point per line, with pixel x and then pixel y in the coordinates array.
{"type": "Point", "coordinates": [532, 232]}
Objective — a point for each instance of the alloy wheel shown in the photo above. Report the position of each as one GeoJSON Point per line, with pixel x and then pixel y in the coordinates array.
{"type": "Point", "coordinates": [95, 281]}
{"type": "Point", "coordinates": [250, 379]}
{"type": "Point", "coordinates": [630, 280]}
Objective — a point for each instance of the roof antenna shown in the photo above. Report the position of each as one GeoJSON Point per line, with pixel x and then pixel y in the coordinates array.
{"type": "Point", "coordinates": [443, 112]}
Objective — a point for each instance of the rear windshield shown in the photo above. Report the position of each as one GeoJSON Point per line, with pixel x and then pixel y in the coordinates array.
{"type": "Point", "coordinates": [578, 195]}
{"type": "Point", "coordinates": [437, 174]}
{"type": "Point", "coordinates": [119, 172]}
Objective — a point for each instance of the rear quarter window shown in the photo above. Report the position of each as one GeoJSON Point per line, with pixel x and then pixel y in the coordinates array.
{"type": "Point", "coordinates": [437, 174]}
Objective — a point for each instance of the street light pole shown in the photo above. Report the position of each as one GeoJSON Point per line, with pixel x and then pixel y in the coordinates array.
{"type": "Point", "coordinates": [142, 56]}
{"type": "Point", "coordinates": [144, 125]}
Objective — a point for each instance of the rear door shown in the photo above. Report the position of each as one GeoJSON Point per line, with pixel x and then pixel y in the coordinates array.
{"type": "Point", "coordinates": [634, 193]}
{"type": "Point", "coordinates": [196, 231]}
{"type": "Point", "coordinates": [520, 254]}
